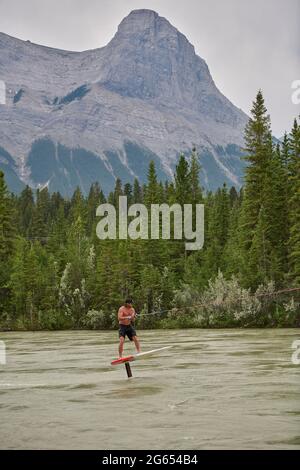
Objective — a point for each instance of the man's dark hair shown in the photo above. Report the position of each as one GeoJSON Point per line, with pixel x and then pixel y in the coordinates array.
{"type": "Point", "coordinates": [128, 300]}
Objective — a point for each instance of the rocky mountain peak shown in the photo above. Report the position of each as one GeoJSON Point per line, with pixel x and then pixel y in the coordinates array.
{"type": "Point", "coordinates": [148, 58]}
{"type": "Point", "coordinates": [71, 118]}
{"type": "Point", "coordinates": [145, 21]}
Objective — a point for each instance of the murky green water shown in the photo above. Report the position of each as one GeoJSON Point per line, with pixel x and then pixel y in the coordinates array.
{"type": "Point", "coordinates": [214, 389]}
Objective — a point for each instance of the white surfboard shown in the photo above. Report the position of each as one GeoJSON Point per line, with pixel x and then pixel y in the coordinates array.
{"type": "Point", "coordinates": [135, 357]}
{"type": "Point", "coordinates": [148, 353]}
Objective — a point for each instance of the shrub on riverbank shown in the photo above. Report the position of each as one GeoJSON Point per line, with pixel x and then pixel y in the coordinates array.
{"type": "Point", "coordinates": [224, 303]}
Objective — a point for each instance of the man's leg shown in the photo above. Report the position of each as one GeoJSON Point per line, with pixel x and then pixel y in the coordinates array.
{"type": "Point", "coordinates": [121, 345]}
{"type": "Point", "coordinates": [137, 344]}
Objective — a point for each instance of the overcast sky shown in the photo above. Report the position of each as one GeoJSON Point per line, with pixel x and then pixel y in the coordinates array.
{"type": "Point", "coordinates": [247, 44]}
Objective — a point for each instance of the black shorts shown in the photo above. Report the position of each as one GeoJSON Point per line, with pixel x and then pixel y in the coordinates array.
{"type": "Point", "coordinates": [127, 330]}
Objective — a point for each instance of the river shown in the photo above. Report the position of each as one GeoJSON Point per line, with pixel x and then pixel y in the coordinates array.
{"type": "Point", "coordinates": [215, 389]}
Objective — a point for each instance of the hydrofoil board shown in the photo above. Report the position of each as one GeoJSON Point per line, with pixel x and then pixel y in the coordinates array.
{"type": "Point", "coordinates": [135, 357]}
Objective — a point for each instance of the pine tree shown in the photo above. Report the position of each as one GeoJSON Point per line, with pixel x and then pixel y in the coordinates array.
{"type": "Point", "coordinates": [285, 151]}
{"type": "Point", "coordinates": [170, 193]}
{"type": "Point", "coordinates": [195, 188]}
{"type": "Point", "coordinates": [128, 193]}
{"type": "Point", "coordinates": [17, 281]}
{"type": "Point", "coordinates": [259, 151]}
{"type": "Point", "coordinates": [7, 228]}
{"type": "Point", "coordinates": [276, 203]}
{"type": "Point", "coordinates": [183, 180]}
{"type": "Point", "coordinates": [257, 139]}
{"type": "Point", "coordinates": [25, 211]}
{"type": "Point", "coordinates": [232, 256]}
{"type": "Point", "coordinates": [137, 192]}
{"type": "Point", "coordinates": [294, 204]}
{"type": "Point", "coordinates": [7, 239]}
{"type": "Point", "coordinates": [151, 190]}
{"type": "Point", "coordinates": [78, 208]}
{"type": "Point", "coordinates": [260, 262]}
{"type": "Point", "coordinates": [56, 200]}
{"type": "Point", "coordinates": [155, 250]}
{"type": "Point", "coordinates": [118, 191]}
{"type": "Point", "coordinates": [233, 196]}
{"type": "Point", "coordinates": [217, 231]}
{"type": "Point", "coordinates": [95, 198]}
{"type": "Point", "coordinates": [41, 216]}
{"type": "Point", "coordinates": [270, 233]}
{"type": "Point", "coordinates": [106, 265]}
{"type": "Point", "coordinates": [26, 283]}
{"type": "Point", "coordinates": [57, 240]}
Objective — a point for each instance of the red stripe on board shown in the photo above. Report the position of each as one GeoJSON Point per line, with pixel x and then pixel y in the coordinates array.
{"type": "Point", "coordinates": [121, 360]}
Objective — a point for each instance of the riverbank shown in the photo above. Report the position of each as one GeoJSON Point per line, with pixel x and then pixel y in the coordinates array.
{"type": "Point", "coordinates": [222, 304]}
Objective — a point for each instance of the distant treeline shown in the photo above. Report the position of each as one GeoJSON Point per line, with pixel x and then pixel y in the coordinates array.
{"type": "Point", "coordinates": [55, 272]}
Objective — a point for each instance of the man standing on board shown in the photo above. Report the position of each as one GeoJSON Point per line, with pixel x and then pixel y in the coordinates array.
{"type": "Point", "coordinates": [126, 315]}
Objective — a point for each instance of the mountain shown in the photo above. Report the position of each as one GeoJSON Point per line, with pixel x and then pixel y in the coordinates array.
{"type": "Point", "coordinates": [71, 118]}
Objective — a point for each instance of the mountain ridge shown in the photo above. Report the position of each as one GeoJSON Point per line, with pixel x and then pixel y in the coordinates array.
{"type": "Point", "coordinates": [145, 95]}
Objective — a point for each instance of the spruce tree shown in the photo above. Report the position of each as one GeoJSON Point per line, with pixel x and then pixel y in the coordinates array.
{"type": "Point", "coordinates": [25, 211]}
{"type": "Point", "coordinates": [118, 191]}
{"type": "Point", "coordinates": [258, 153]}
{"type": "Point", "coordinates": [194, 183]}
{"type": "Point", "coordinates": [137, 192]}
{"type": "Point", "coordinates": [78, 207]}
{"type": "Point", "coordinates": [7, 239]}
{"type": "Point", "coordinates": [151, 190]}
{"type": "Point", "coordinates": [294, 204]}
{"type": "Point", "coordinates": [271, 230]}
{"type": "Point", "coordinates": [217, 231]}
{"type": "Point", "coordinates": [41, 216]}
{"type": "Point", "coordinates": [128, 193]}
{"type": "Point", "coordinates": [7, 222]}
{"type": "Point", "coordinates": [95, 198]}
{"type": "Point", "coordinates": [182, 179]}
{"type": "Point", "coordinates": [257, 149]}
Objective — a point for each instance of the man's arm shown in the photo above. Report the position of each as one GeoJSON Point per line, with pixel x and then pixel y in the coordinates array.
{"type": "Point", "coordinates": [120, 314]}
